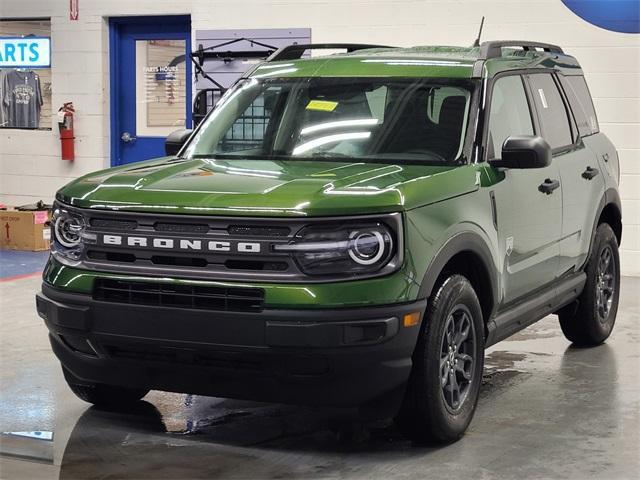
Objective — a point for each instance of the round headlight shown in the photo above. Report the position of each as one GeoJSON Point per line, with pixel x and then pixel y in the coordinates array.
{"type": "Point", "coordinates": [344, 249]}
{"type": "Point", "coordinates": [67, 229]}
{"type": "Point", "coordinates": [366, 248]}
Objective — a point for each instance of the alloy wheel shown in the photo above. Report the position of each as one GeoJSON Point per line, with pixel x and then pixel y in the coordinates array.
{"type": "Point", "coordinates": [605, 283]}
{"type": "Point", "coordinates": [457, 357]}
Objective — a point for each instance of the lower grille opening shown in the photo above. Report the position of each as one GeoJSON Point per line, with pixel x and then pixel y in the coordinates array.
{"type": "Point", "coordinates": [248, 363]}
{"type": "Point", "coordinates": [179, 295]}
{"type": "Point", "coordinates": [186, 356]}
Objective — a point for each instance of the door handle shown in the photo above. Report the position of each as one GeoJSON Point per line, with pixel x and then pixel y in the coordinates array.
{"type": "Point", "coordinates": [549, 186]}
{"type": "Point", "coordinates": [126, 137]}
{"type": "Point", "coordinates": [589, 173]}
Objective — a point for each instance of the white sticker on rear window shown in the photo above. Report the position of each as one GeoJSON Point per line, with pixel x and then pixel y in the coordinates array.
{"type": "Point", "coordinates": [543, 99]}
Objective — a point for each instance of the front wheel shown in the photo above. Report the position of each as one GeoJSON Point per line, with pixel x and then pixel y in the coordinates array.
{"type": "Point", "coordinates": [591, 321]}
{"type": "Point", "coordinates": [444, 385]}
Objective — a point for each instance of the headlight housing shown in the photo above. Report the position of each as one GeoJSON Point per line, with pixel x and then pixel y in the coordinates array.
{"type": "Point", "coordinates": [67, 233]}
{"type": "Point", "coordinates": [346, 249]}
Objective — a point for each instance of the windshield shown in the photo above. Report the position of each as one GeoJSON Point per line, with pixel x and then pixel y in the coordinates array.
{"type": "Point", "coordinates": [394, 119]}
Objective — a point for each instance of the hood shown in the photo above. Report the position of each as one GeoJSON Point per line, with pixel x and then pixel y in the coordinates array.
{"type": "Point", "coordinates": [267, 187]}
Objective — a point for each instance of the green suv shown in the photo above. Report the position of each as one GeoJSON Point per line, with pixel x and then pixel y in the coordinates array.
{"type": "Point", "coordinates": [349, 230]}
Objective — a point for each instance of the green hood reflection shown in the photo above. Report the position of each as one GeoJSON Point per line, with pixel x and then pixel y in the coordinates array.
{"type": "Point", "coordinates": [268, 187]}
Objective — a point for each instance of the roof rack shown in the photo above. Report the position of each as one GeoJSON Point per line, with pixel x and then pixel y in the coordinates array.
{"type": "Point", "coordinates": [293, 52]}
{"type": "Point", "coordinates": [493, 49]}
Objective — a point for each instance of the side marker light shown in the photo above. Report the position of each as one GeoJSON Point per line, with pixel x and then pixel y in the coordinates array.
{"type": "Point", "coordinates": [411, 319]}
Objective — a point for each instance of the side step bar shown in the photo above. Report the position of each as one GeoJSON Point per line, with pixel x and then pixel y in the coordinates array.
{"type": "Point", "coordinates": [526, 313]}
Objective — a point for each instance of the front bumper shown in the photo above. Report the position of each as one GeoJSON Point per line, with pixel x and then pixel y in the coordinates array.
{"type": "Point", "coordinates": [333, 357]}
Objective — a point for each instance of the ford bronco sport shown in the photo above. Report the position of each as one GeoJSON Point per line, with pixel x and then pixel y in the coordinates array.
{"type": "Point", "coordinates": [348, 230]}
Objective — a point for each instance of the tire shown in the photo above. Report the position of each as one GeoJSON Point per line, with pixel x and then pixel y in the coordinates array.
{"type": "Point", "coordinates": [101, 394]}
{"type": "Point", "coordinates": [431, 413]}
{"type": "Point", "coordinates": [591, 321]}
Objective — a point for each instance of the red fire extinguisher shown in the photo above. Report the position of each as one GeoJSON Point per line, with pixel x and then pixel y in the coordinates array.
{"type": "Point", "coordinates": [65, 124]}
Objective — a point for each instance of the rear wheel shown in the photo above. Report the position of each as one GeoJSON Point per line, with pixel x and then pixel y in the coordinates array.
{"type": "Point", "coordinates": [591, 321]}
{"type": "Point", "coordinates": [102, 394]}
{"type": "Point", "coordinates": [443, 389]}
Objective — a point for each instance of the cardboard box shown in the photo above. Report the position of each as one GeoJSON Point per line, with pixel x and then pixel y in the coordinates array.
{"type": "Point", "coordinates": [24, 230]}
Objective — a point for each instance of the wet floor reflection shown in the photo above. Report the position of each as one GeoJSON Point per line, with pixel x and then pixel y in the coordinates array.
{"type": "Point", "coordinates": [184, 436]}
{"type": "Point", "coordinates": [237, 440]}
{"type": "Point", "coordinates": [547, 410]}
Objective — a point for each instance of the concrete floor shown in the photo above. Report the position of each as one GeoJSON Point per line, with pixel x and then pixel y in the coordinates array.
{"type": "Point", "coordinates": [547, 410]}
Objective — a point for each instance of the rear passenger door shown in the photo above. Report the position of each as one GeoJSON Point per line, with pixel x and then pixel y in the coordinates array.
{"type": "Point", "coordinates": [582, 181]}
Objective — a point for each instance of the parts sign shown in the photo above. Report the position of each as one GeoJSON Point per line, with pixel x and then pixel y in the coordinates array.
{"type": "Point", "coordinates": [25, 52]}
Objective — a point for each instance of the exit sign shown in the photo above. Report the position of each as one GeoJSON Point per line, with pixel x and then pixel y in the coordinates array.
{"type": "Point", "coordinates": [25, 52]}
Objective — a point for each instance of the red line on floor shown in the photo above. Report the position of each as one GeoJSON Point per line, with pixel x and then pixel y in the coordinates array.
{"type": "Point", "coordinates": [19, 277]}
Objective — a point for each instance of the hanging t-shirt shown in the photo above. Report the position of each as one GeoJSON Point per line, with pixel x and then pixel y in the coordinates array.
{"type": "Point", "coordinates": [3, 107]}
{"type": "Point", "coordinates": [22, 99]}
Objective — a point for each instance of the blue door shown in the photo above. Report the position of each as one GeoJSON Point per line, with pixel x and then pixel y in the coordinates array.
{"type": "Point", "coordinates": [150, 84]}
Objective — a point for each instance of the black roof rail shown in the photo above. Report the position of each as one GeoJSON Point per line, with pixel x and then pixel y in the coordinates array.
{"type": "Point", "coordinates": [293, 52]}
{"type": "Point", "coordinates": [493, 48]}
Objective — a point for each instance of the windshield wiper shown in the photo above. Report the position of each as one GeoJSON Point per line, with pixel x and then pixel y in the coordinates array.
{"type": "Point", "coordinates": [329, 155]}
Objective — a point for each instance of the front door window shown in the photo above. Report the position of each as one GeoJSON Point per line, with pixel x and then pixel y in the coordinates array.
{"type": "Point", "coordinates": [509, 113]}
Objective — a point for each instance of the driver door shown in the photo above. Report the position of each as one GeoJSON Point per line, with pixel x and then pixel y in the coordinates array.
{"type": "Point", "coordinates": [529, 221]}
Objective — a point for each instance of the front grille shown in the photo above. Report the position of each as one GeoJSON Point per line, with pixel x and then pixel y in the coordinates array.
{"type": "Point", "coordinates": [200, 262]}
{"type": "Point", "coordinates": [111, 256]}
{"type": "Point", "coordinates": [199, 297]}
{"type": "Point", "coordinates": [195, 247]}
{"type": "Point", "coordinates": [109, 224]}
{"type": "Point", "coordinates": [181, 227]}
{"type": "Point", "coordinates": [258, 231]}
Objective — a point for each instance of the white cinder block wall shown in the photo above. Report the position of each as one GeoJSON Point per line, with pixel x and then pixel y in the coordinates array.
{"type": "Point", "coordinates": [30, 166]}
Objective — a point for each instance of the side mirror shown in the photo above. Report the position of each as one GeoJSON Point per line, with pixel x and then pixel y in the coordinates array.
{"type": "Point", "coordinates": [176, 140]}
{"type": "Point", "coordinates": [524, 151]}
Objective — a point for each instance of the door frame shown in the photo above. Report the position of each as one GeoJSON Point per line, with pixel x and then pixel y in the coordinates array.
{"type": "Point", "coordinates": [115, 26]}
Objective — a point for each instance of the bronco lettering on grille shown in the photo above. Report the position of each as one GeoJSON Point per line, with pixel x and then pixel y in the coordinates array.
{"type": "Point", "coordinates": [163, 243]}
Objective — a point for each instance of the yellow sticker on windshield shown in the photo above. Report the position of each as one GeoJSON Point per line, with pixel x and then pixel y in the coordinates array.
{"type": "Point", "coordinates": [322, 105]}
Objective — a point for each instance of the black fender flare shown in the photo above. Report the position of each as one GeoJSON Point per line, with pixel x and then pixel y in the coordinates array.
{"type": "Point", "coordinates": [610, 197]}
{"type": "Point", "coordinates": [466, 241]}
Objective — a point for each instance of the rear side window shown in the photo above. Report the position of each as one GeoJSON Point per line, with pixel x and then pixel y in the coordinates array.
{"type": "Point", "coordinates": [509, 113]}
{"type": "Point", "coordinates": [552, 112]}
{"type": "Point", "coordinates": [581, 104]}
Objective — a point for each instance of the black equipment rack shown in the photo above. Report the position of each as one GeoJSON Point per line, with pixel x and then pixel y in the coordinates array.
{"type": "Point", "coordinates": [206, 98]}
